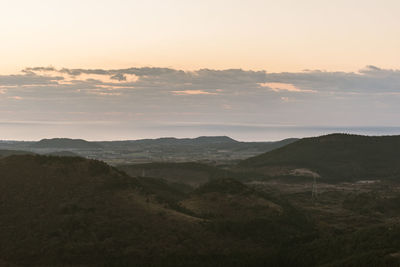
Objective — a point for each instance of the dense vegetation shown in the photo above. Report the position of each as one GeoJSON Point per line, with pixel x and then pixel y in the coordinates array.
{"type": "Point", "coordinates": [6, 152]}
{"type": "Point", "coordinates": [190, 173]}
{"type": "Point", "coordinates": [72, 211]}
{"type": "Point", "coordinates": [336, 157]}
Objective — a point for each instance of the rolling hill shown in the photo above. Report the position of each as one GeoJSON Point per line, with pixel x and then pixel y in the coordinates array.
{"type": "Point", "coordinates": [72, 211]}
{"type": "Point", "coordinates": [6, 152]}
{"type": "Point", "coordinates": [229, 198]}
{"type": "Point", "coordinates": [63, 154]}
{"type": "Point", "coordinates": [59, 211]}
{"type": "Point", "coordinates": [189, 173]}
{"type": "Point", "coordinates": [335, 157]}
{"type": "Point", "coordinates": [66, 143]}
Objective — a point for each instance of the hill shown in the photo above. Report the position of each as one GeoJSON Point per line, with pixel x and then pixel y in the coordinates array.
{"type": "Point", "coordinates": [239, 211]}
{"type": "Point", "coordinates": [63, 154]}
{"type": "Point", "coordinates": [189, 173]}
{"type": "Point", "coordinates": [66, 143]}
{"type": "Point", "coordinates": [59, 211]}
{"type": "Point", "coordinates": [229, 198]}
{"type": "Point", "coordinates": [335, 157]}
{"type": "Point", "coordinates": [71, 211]}
{"type": "Point", "coordinates": [6, 152]}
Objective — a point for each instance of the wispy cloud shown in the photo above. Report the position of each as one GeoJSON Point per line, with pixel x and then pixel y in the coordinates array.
{"type": "Point", "coordinates": [369, 96]}
{"type": "Point", "coordinates": [278, 87]}
{"type": "Point", "coordinates": [193, 92]}
{"type": "Point", "coordinates": [368, 79]}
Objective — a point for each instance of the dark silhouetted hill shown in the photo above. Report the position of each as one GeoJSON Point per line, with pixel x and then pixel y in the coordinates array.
{"type": "Point", "coordinates": [6, 153]}
{"type": "Point", "coordinates": [190, 173]}
{"type": "Point", "coordinates": [66, 143]}
{"type": "Point", "coordinates": [240, 211]}
{"type": "Point", "coordinates": [63, 154]}
{"type": "Point", "coordinates": [71, 211]}
{"type": "Point", "coordinates": [334, 157]}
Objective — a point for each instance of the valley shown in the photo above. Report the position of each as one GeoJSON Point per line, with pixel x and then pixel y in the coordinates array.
{"type": "Point", "coordinates": [212, 150]}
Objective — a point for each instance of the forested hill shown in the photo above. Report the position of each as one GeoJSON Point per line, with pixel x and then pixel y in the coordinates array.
{"type": "Point", "coordinates": [65, 143]}
{"type": "Point", "coordinates": [336, 156]}
{"type": "Point", "coordinates": [71, 211]}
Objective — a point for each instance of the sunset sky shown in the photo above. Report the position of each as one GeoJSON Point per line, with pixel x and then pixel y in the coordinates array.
{"type": "Point", "coordinates": [134, 69]}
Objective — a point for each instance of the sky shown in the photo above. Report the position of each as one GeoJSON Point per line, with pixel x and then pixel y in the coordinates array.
{"type": "Point", "coordinates": [122, 69]}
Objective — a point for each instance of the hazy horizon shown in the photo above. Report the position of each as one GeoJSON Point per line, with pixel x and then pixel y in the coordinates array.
{"type": "Point", "coordinates": [243, 133]}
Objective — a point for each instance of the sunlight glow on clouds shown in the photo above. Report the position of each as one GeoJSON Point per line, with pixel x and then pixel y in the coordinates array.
{"type": "Point", "coordinates": [277, 87]}
{"type": "Point", "coordinates": [15, 97]}
{"type": "Point", "coordinates": [193, 92]}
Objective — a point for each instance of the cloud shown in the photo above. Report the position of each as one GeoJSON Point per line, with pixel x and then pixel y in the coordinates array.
{"type": "Point", "coordinates": [105, 93]}
{"type": "Point", "coordinates": [278, 87]}
{"type": "Point", "coordinates": [311, 97]}
{"type": "Point", "coordinates": [193, 92]}
{"type": "Point", "coordinates": [15, 97]}
{"type": "Point", "coordinates": [76, 72]}
{"type": "Point", "coordinates": [118, 77]}
{"type": "Point", "coordinates": [370, 79]}
{"type": "Point", "coordinates": [229, 83]}
{"type": "Point", "coordinates": [28, 79]}
{"type": "Point", "coordinates": [165, 76]}
{"type": "Point", "coordinates": [38, 69]}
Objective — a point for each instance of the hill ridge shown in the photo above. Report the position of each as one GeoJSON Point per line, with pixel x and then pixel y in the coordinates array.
{"type": "Point", "coordinates": [335, 156]}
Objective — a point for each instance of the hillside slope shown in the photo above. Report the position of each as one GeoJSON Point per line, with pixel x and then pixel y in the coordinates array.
{"type": "Point", "coordinates": [6, 152]}
{"type": "Point", "coordinates": [334, 157]}
{"type": "Point", "coordinates": [190, 173]}
{"type": "Point", "coordinates": [71, 211]}
{"type": "Point", "coordinates": [74, 211]}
